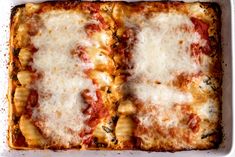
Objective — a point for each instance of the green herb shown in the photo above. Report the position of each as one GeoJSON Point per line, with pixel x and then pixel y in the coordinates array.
{"type": "Point", "coordinates": [207, 135]}
{"type": "Point", "coordinates": [209, 82]}
{"type": "Point", "coordinates": [106, 129]}
{"type": "Point", "coordinates": [95, 140]}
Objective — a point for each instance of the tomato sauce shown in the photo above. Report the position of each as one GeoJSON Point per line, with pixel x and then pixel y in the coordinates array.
{"type": "Point", "coordinates": [202, 29]}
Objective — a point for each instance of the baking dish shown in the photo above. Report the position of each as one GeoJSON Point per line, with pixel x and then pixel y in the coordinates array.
{"type": "Point", "coordinates": [225, 148]}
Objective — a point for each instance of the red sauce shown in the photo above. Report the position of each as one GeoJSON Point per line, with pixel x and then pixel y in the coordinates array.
{"type": "Point", "coordinates": [33, 98]}
{"type": "Point", "coordinates": [81, 53]}
{"type": "Point", "coordinates": [196, 49]}
{"type": "Point", "coordinates": [92, 28]}
{"type": "Point", "coordinates": [88, 140]}
{"type": "Point", "coordinates": [19, 139]}
{"type": "Point", "coordinates": [92, 7]}
{"type": "Point", "coordinates": [127, 40]}
{"type": "Point", "coordinates": [95, 12]}
{"type": "Point", "coordinates": [202, 28]}
{"type": "Point", "coordinates": [32, 101]}
{"type": "Point", "coordinates": [96, 110]}
{"type": "Point", "coordinates": [102, 23]}
{"type": "Point", "coordinates": [33, 24]}
{"type": "Point", "coordinates": [193, 122]}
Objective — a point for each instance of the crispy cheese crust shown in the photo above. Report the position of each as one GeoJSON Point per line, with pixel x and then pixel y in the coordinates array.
{"type": "Point", "coordinates": [115, 75]}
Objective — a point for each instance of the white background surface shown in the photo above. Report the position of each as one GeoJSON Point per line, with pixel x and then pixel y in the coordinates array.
{"type": "Point", "coordinates": [5, 6]}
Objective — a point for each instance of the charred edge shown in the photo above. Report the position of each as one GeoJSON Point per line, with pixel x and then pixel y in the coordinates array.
{"type": "Point", "coordinates": [71, 2]}
{"type": "Point", "coordinates": [142, 1]}
{"type": "Point", "coordinates": [216, 7]}
{"type": "Point", "coordinates": [14, 11]}
{"type": "Point", "coordinates": [15, 119]}
{"type": "Point", "coordinates": [220, 134]}
{"type": "Point", "coordinates": [219, 138]}
{"type": "Point", "coordinates": [173, 150]}
{"type": "Point", "coordinates": [75, 2]}
{"type": "Point", "coordinates": [208, 135]}
{"type": "Point", "coordinates": [99, 144]}
{"type": "Point", "coordinates": [15, 52]}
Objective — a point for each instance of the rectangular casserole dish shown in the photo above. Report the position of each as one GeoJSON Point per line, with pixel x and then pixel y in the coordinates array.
{"type": "Point", "coordinates": [225, 147]}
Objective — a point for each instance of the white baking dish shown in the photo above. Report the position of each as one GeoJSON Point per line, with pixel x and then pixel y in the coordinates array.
{"type": "Point", "coordinates": [227, 146]}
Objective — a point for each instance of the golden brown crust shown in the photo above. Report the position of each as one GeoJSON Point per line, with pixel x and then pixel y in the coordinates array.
{"type": "Point", "coordinates": [120, 64]}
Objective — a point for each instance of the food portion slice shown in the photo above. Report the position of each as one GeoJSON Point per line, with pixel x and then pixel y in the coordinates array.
{"type": "Point", "coordinates": [70, 96]}
{"type": "Point", "coordinates": [66, 67]}
{"type": "Point", "coordinates": [167, 53]}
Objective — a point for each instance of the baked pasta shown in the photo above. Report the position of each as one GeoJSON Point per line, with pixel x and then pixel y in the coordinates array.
{"type": "Point", "coordinates": [115, 75]}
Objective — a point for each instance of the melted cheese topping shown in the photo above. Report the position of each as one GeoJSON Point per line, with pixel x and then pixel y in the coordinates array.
{"type": "Point", "coordinates": [159, 94]}
{"type": "Point", "coordinates": [159, 100]}
{"type": "Point", "coordinates": [161, 52]}
{"type": "Point", "coordinates": [162, 115]}
{"type": "Point", "coordinates": [59, 90]}
{"type": "Point", "coordinates": [209, 110]}
{"type": "Point", "coordinates": [163, 45]}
